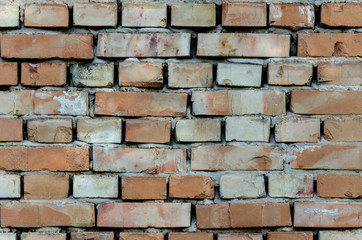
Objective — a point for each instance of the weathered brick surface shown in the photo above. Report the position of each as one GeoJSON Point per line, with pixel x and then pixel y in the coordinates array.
{"type": "Point", "coordinates": [190, 236]}
{"type": "Point", "coordinates": [43, 74]}
{"type": "Point", "coordinates": [280, 73]}
{"type": "Point", "coordinates": [327, 235]}
{"type": "Point", "coordinates": [43, 236]}
{"type": "Point", "coordinates": [290, 185]}
{"type": "Point", "coordinates": [140, 74]}
{"type": "Point", "coordinates": [244, 14]}
{"type": "Point", "coordinates": [50, 130]}
{"type": "Point", "coordinates": [93, 186]}
{"type": "Point", "coordinates": [144, 15]}
{"type": "Point", "coordinates": [190, 75]}
{"type": "Point", "coordinates": [341, 14]}
{"type": "Point", "coordinates": [193, 15]}
{"type": "Point", "coordinates": [291, 15]}
{"type": "Point", "coordinates": [11, 130]}
{"type": "Point", "coordinates": [140, 236]}
{"type": "Point", "coordinates": [198, 130]}
{"type": "Point", "coordinates": [148, 131]}
{"type": "Point", "coordinates": [9, 16]}
{"type": "Point", "coordinates": [247, 129]}
{"type": "Point", "coordinates": [17, 102]}
{"type": "Point", "coordinates": [46, 15]}
{"type": "Point", "coordinates": [290, 235]}
{"type": "Point", "coordinates": [46, 187]}
{"type": "Point", "coordinates": [8, 236]}
{"type": "Point", "coordinates": [144, 188]}
{"type": "Point", "coordinates": [102, 130]}
{"type": "Point", "coordinates": [340, 73]}
{"type": "Point", "coordinates": [239, 75]}
{"type": "Point", "coordinates": [195, 187]}
{"type": "Point", "coordinates": [9, 73]}
{"type": "Point", "coordinates": [92, 75]}
{"type": "Point", "coordinates": [92, 235]}
{"type": "Point", "coordinates": [240, 236]}
{"type": "Point", "coordinates": [242, 186]}
{"type": "Point", "coordinates": [339, 185]}
{"type": "Point", "coordinates": [346, 129]}
{"type": "Point", "coordinates": [10, 186]}
{"type": "Point", "coordinates": [297, 130]}
{"type": "Point", "coordinates": [213, 216]}
{"type": "Point", "coordinates": [95, 14]}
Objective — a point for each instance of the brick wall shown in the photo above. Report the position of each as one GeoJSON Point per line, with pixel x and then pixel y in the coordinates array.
{"type": "Point", "coordinates": [166, 121]}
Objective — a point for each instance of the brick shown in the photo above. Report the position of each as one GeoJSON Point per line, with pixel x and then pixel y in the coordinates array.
{"type": "Point", "coordinates": [141, 104]}
{"type": "Point", "coordinates": [50, 130]}
{"type": "Point", "coordinates": [16, 102]}
{"type": "Point", "coordinates": [240, 236]}
{"type": "Point", "coordinates": [46, 15]}
{"type": "Point", "coordinates": [346, 129]}
{"type": "Point", "coordinates": [9, 16]}
{"type": "Point", "coordinates": [297, 129]}
{"type": "Point", "coordinates": [242, 186]}
{"type": "Point", "coordinates": [99, 130]}
{"type": "Point", "coordinates": [44, 46]}
{"type": "Point", "coordinates": [247, 129]}
{"type": "Point", "coordinates": [140, 236]}
{"type": "Point", "coordinates": [238, 102]}
{"type": "Point", "coordinates": [239, 75]}
{"type": "Point", "coordinates": [190, 75]}
{"type": "Point", "coordinates": [8, 73]}
{"type": "Point", "coordinates": [329, 44]}
{"type": "Point", "coordinates": [327, 215]}
{"type": "Point", "coordinates": [213, 216]}
{"type": "Point", "coordinates": [290, 236]}
{"type": "Point", "coordinates": [190, 236]}
{"type": "Point", "coordinates": [291, 185]}
{"type": "Point", "coordinates": [144, 215]}
{"type": "Point", "coordinates": [140, 74]}
{"type": "Point", "coordinates": [148, 131]}
{"type": "Point", "coordinates": [8, 236]}
{"type": "Point", "coordinates": [341, 14]}
{"type": "Point", "coordinates": [339, 185]}
{"type": "Point", "coordinates": [11, 130]}
{"type": "Point", "coordinates": [112, 159]}
{"type": "Point", "coordinates": [43, 74]}
{"type": "Point", "coordinates": [47, 215]}
{"type": "Point", "coordinates": [143, 188]}
{"type": "Point", "coordinates": [144, 15]}
{"type": "Point", "coordinates": [329, 235]}
{"type": "Point", "coordinates": [198, 130]}
{"type": "Point", "coordinates": [92, 75]}
{"type": "Point", "coordinates": [56, 158]}
{"type": "Point", "coordinates": [92, 235]}
{"type": "Point", "coordinates": [290, 73]}
{"type": "Point", "coordinates": [339, 157]}
{"type": "Point", "coordinates": [95, 186]}
{"type": "Point", "coordinates": [193, 15]}
{"type": "Point", "coordinates": [322, 102]}
{"type": "Point", "coordinates": [124, 45]}
{"type": "Point", "coordinates": [46, 187]}
{"type": "Point", "coordinates": [61, 103]}
{"type": "Point", "coordinates": [43, 236]}
{"type": "Point", "coordinates": [95, 14]}
{"type": "Point", "coordinates": [228, 158]}
{"type": "Point", "coordinates": [194, 187]}
{"type": "Point", "coordinates": [10, 186]}
{"type": "Point", "coordinates": [242, 45]}
{"type": "Point", "coordinates": [268, 214]}
{"type": "Point", "coordinates": [244, 14]}
{"type": "Point", "coordinates": [294, 16]}
{"type": "Point", "coordinates": [340, 73]}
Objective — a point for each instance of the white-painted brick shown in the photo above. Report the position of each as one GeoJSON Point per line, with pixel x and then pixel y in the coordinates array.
{"type": "Point", "coordinates": [239, 75]}
{"type": "Point", "coordinates": [10, 186]}
{"type": "Point", "coordinates": [242, 186]}
{"type": "Point", "coordinates": [290, 186]}
{"type": "Point", "coordinates": [198, 130]}
{"type": "Point", "coordinates": [247, 129]}
{"type": "Point", "coordinates": [95, 186]}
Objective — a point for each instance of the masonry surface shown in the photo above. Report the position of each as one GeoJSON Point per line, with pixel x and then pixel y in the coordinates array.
{"type": "Point", "coordinates": [162, 120]}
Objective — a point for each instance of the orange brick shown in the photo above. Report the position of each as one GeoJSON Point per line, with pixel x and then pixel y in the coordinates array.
{"type": "Point", "coordinates": [339, 185]}
{"type": "Point", "coordinates": [341, 14]}
{"type": "Point", "coordinates": [240, 236]}
{"type": "Point", "coordinates": [11, 130]}
{"type": "Point", "coordinates": [43, 236]}
{"type": "Point", "coordinates": [46, 187]}
{"type": "Point", "coordinates": [140, 236]}
{"type": "Point", "coordinates": [92, 235]}
{"type": "Point", "coordinates": [47, 215]}
{"type": "Point", "coordinates": [8, 73]}
{"type": "Point", "coordinates": [290, 73]}
{"type": "Point", "coordinates": [294, 16]}
{"type": "Point", "coordinates": [290, 236]}
{"type": "Point", "coordinates": [190, 236]}
{"type": "Point", "coordinates": [213, 216]}
{"type": "Point", "coordinates": [195, 187]}
{"type": "Point", "coordinates": [50, 130]}
{"type": "Point", "coordinates": [57, 158]}
{"type": "Point", "coordinates": [142, 188]}
{"type": "Point", "coordinates": [140, 74]}
{"type": "Point", "coordinates": [42, 46]}
{"type": "Point", "coordinates": [43, 74]}
{"type": "Point", "coordinates": [340, 73]}
{"type": "Point", "coordinates": [244, 14]}
{"type": "Point", "coordinates": [46, 15]}
{"type": "Point", "coordinates": [346, 129]}
{"type": "Point", "coordinates": [148, 131]}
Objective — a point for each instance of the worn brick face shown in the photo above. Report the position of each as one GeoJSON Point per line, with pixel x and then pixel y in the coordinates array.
{"type": "Point", "coordinates": [144, 15]}
{"type": "Point", "coordinates": [46, 15]}
{"type": "Point", "coordinates": [11, 130]}
{"type": "Point", "coordinates": [9, 73]}
{"type": "Point", "coordinates": [190, 75]}
{"type": "Point", "coordinates": [193, 15]}
{"type": "Point", "coordinates": [95, 14]}
{"type": "Point", "coordinates": [340, 73]}
{"type": "Point", "coordinates": [148, 131]}
{"type": "Point", "coordinates": [43, 74]}
{"type": "Point", "coordinates": [291, 15]}
{"type": "Point", "coordinates": [341, 14]}
{"type": "Point", "coordinates": [140, 74]}
{"type": "Point", "coordinates": [50, 130]}
{"type": "Point", "coordinates": [195, 187]}
{"type": "Point", "coordinates": [339, 185]}
{"type": "Point", "coordinates": [46, 187]}
{"type": "Point", "coordinates": [299, 74]}
{"type": "Point", "coordinates": [9, 16]}
{"type": "Point", "coordinates": [144, 188]}
{"type": "Point", "coordinates": [244, 14]}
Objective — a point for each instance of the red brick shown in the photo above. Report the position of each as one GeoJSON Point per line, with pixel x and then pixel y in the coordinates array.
{"type": "Point", "coordinates": [8, 73]}
{"type": "Point", "coordinates": [95, 14]}
{"type": "Point", "coordinates": [213, 216]}
{"type": "Point", "coordinates": [148, 131]}
{"type": "Point", "coordinates": [139, 104]}
{"type": "Point", "coordinates": [61, 102]}
{"type": "Point", "coordinates": [291, 15]}
{"type": "Point", "coordinates": [339, 185]}
{"type": "Point", "coordinates": [341, 14]}
{"type": "Point", "coordinates": [242, 45]}
{"type": "Point", "coordinates": [244, 14]}
{"type": "Point", "coordinates": [43, 74]}
{"type": "Point", "coordinates": [228, 158]}
{"type": "Point", "coordinates": [190, 236]}
{"type": "Point", "coordinates": [143, 188]}
{"type": "Point", "coordinates": [112, 159]}
{"type": "Point", "coordinates": [339, 157]}
{"type": "Point", "coordinates": [346, 129]}
{"type": "Point", "coordinates": [57, 158]}
{"type": "Point", "coordinates": [92, 235]}
{"type": "Point", "coordinates": [46, 187]}
{"type": "Point", "coordinates": [327, 215]}
{"type": "Point", "coordinates": [140, 74]}
{"type": "Point", "coordinates": [144, 45]}
{"type": "Point", "coordinates": [144, 215]}
{"type": "Point", "coordinates": [46, 15]}
{"type": "Point", "coordinates": [42, 46]}
{"type": "Point", "coordinates": [11, 130]}
{"type": "Point", "coordinates": [140, 236]}
{"type": "Point", "coordinates": [195, 187]}
{"type": "Point", "coordinates": [269, 214]}
{"type": "Point", "coordinates": [290, 236]}
{"type": "Point", "coordinates": [27, 215]}
{"type": "Point", "coordinates": [16, 102]}
{"type": "Point", "coordinates": [43, 236]}
{"type": "Point", "coordinates": [330, 102]}
{"type": "Point", "coordinates": [329, 44]}
{"type": "Point", "coordinates": [240, 236]}
{"type": "Point", "coordinates": [340, 73]}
